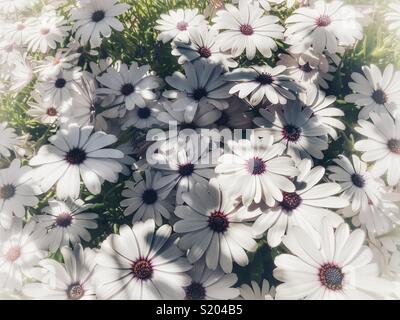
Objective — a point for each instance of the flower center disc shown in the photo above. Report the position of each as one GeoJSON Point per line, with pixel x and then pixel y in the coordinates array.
{"type": "Point", "coordinates": [394, 146]}
{"type": "Point", "coordinates": [205, 52]}
{"type": "Point", "coordinates": [127, 89]}
{"type": "Point", "coordinates": [149, 196]}
{"type": "Point", "coordinates": [379, 96]}
{"type": "Point", "coordinates": [75, 156]}
{"type": "Point", "coordinates": [7, 191]}
{"type": "Point", "coordinates": [143, 113]}
{"type": "Point", "coordinates": [98, 15]}
{"type": "Point", "coordinates": [331, 276]}
{"type": "Point", "coordinates": [195, 291]}
{"type": "Point", "coordinates": [264, 78]}
{"type": "Point", "coordinates": [323, 21]}
{"type": "Point", "coordinates": [290, 201]}
{"type": "Point", "coordinates": [199, 93]}
{"type": "Point", "coordinates": [256, 166]}
{"type": "Point", "coordinates": [13, 253]}
{"type": "Point", "coordinates": [64, 220]}
{"type": "Point", "coordinates": [246, 29]}
{"type": "Point", "coordinates": [52, 112]}
{"type": "Point", "coordinates": [60, 83]}
{"type": "Point", "coordinates": [305, 67]}
{"type": "Point", "coordinates": [218, 222]}
{"type": "Point", "coordinates": [182, 26]}
{"type": "Point", "coordinates": [75, 291]}
{"type": "Point", "coordinates": [358, 180]}
{"type": "Point", "coordinates": [142, 269]}
{"type": "Point", "coordinates": [186, 169]}
{"type": "Point", "coordinates": [291, 133]}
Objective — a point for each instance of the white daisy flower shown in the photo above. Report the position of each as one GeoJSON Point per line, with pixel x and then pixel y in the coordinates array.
{"type": "Point", "coordinates": [213, 228]}
{"type": "Point", "coordinates": [263, 82]}
{"type": "Point", "coordinates": [203, 83]}
{"type": "Point", "coordinates": [176, 24]}
{"type": "Point", "coordinates": [17, 191]}
{"type": "Point", "coordinates": [95, 19]}
{"type": "Point", "coordinates": [73, 277]}
{"type": "Point", "coordinates": [9, 140]}
{"type": "Point", "coordinates": [256, 171]}
{"type": "Point", "coordinates": [338, 267]}
{"type": "Point", "coordinates": [358, 185]}
{"type": "Point", "coordinates": [324, 25]}
{"type": "Point", "coordinates": [13, 6]}
{"type": "Point", "coordinates": [246, 28]}
{"type": "Point", "coordinates": [130, 85]}
{"type": "Point", "coordinates": [183, 163]}
{"type": "Point", "coordinates": [43, 110]}
{"type": "Point", "coordinates": [308, 68]}
{"type": "Point", "coordinates": [381, 146]}
{"type": "Point", "coordinates": [50, 66]}
{"type": "Point", "coordinates": [305, 207]}
{"type": "Point", "coordinates": [142, 117]}
{"type": "Point", "coordinates": [141, 264]}
{"type": "Point", "coordinates": [19, 252]}
{"type": "Point", "coordinates": [65, 222]}
{"type": "Point", "coordinates": [255, 292]}
{"type": "Point", "coordinates": [210, 284]}
{"type": "Point", "coordinates": [74, 154]}
{"type": "Point", "coordinates": [203, 45]}
{"type": "Point", "coordinates": [324, 110]}
{"type": "Point", "coordinates": [61, 88]}
{"type": "Point", "coordinates": [46, 31]}
{"type": "Point", "coordinates": [296, 129]}
{"type": "Point", "coordinates": [16, 31]}
{"type": "Point", "coordinates": [144, 200]}
{"type": "Point", "coordinates": [374, 91]}
{"type": "Point", "coordinates": [393, 18]}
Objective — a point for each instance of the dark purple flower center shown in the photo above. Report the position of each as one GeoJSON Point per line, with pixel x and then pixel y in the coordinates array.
{"type": "Point", "coordinates": [182, 25]}
{"type": "Point", "coordinates": [394, 146]}
{"type": "Point", "coordinates": [142, 269]}
{"type": "Point", "coordinates": [143, 113]}
{"type": "Point", "coordinates": [246, 29]}
{"type": "Point", "coordinates": [75, 291]}
{"type": "Point", "coordinates": [358, 180]}
{"type": "Point", "coordinates": [127, 89]}
{"type": "Point", "coordinates": [264, 78]}
{"type": "Point", "coordinates": [149, 196]}
{"type": "Point", "coordinates": [7, 191]}
{"type": "Point", "coordinates": [291, 133]}
{"type": "Point", "coordinates": [60, 83]}
{"type": "Point", "coordinates": [205, 52]}
{"type": "Point", "coordinates": [379, 96]}
{"type": "Point", "coordinates": [64, 220]}
{"type": "Point", "coordinates": [323, 21]}
{"type": "Point", "coordinates": [331, 276]}
{"type": "Point", "coordinates": [195, 291]}
{"type": "Point", "coordinates": [199, 93]}
{"type": "Point", "coordinates": [186, 169]}
{"type": "Point", "coordinates": [305, 67]}
{"type": "Point", "coordinates": [256, 166]}
{"type": "Point", "coordinates": [218, 222]}
{"type": "Point", "coordinates": [52, 112]}
{"type": "Point", "coordinates": [290, 201]}
{"type": "Point", "coordinates": [75, 156]}
{"type": "Point", "coordinates": [98, 15]}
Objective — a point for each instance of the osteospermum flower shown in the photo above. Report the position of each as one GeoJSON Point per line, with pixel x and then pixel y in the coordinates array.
{"type": "Point", "coordinates": [381, 146]}
{"type": "Point", "coordinates": [144, 200]}
{"type": "Point", "coordinates": [176, 24]}
{"type": "Point", "coordinates": [43, 110]}
{"type": "Point", "coordinates": [305, 207]}
{"type": "Point", "coordinates": [183, 163]}
{"type": "Point", "coordinates": [210, 284]}
{"type": "Point", "coordinates": [74, 154]}
{"type": "Point", "coordinates": [142, 118]}
{"type": "Point", "coordinates": [375, 91]}
{"type": "Point", "coordinates": [46, 31]}
{"type": "Point", "coordinates": [203, 83]}
{"type": "Point", "coordinates": [131, 86]}
{"type": "Point", "coordinates": [393, 18]}
{"type": "Point", "coordinates": [256, 292]}
{"type": "Point", "coordinates": [203, 45]}
{"type": "Point", "coordinates": [9, 140]}
{"type": "Point", "coordinates": [213, 228]}
{"type": "Point", "coordinates": [246, 28]}
{"type": "Point", "coordinates": [61, 88]}
{"type": "Point", "coordinates": [263, 82]}
{"type": "Point", "coordinates": [296, 129]}
{"type": "Point", "coordinates": [95, 19]}
{"type": "Point", "coordinates": [324, 110]}
{"type": "Point", "coordinates": [256, 171]}
{"type": "Point", "coordinates": [357, 184]}
{"type": "Point", "coordinates": [65, 222]}
{"type": "Point", "coordinates": [338, 267]}
{"type": "Point", "coordinates": [74, 277]}
{"type": "Point", "coordinates": [20, 251]}
{"type": "Point", "coordinates": [324, 26]}
{"type": "Point", "coordinates": [141, 263]}
{"type": "Point", "coordinates": [17, 191]}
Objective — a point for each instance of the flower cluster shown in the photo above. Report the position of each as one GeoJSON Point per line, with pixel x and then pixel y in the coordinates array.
{"type": "Point", "coordinates": [263, 139]}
